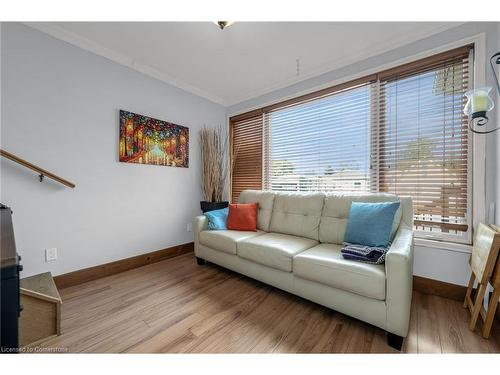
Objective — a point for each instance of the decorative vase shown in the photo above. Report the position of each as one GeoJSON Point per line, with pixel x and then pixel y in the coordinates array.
{"type": "Point", "coordinates": [211, 206]}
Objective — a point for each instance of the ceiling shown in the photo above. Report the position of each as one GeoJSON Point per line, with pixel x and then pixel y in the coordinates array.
{"type": "Point", "coordinates": [243, 61]}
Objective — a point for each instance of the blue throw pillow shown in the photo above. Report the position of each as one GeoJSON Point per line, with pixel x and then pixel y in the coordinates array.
{"type": "Point", "coordinates": [217, 219]}
{"type": "Point", "coordinates": [370, 224]}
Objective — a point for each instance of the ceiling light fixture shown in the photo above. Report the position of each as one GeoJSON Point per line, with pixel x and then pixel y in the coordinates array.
{"type": "Point", "coordinates": [223, 24]}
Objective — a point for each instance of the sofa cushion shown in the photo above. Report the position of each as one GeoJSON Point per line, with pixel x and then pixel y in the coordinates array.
{"type": "Point", "coordinates": [225, 240]}
{"type": "Point", "coordinates": [217, 219]}
{"type": "Point", "coordinates": [274, 249]}
{"type": "Point", "coordinates": [265, 199]}
{"type": "Point", "coordinates": [324, 264]}
{"type": "Point", "coordinates": [297, 214]}
{"type": "Point", "coordinates": [376, 219]}
{"type": "Point", "coordinates": [242, 216]}
{"type": "Point", "coordinates": [335, 215]}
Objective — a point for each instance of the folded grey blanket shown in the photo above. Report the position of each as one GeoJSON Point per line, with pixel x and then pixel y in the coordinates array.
{"type": "Point", "coordinates": [367, 254]}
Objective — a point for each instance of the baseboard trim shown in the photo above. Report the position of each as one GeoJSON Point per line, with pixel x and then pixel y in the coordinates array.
{"type": "Point", "coordinates": [439, 288]}
{"type": "Point", "coordinates": [442, 289]}
{"type": "Point", "coordinates": [107, 269]}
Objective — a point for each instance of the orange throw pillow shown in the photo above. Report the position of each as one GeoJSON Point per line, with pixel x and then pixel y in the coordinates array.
{"type": "Point", "coordinates": [242, 216]}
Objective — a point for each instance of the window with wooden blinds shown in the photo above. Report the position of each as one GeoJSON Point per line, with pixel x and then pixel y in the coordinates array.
{"type": "Point", "coordinates": [423, 145]}
{"type": "Point", "coordinates": [400, 131]}
{"type": "Point", "coordinates": [246, 149]}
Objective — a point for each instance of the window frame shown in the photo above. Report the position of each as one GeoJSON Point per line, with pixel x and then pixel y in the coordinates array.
{"type": "Point", "coordinates": [476, 146]}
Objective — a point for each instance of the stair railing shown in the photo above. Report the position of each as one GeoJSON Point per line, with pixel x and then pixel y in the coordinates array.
{"type": "Point", "coordinates": [41, 172]}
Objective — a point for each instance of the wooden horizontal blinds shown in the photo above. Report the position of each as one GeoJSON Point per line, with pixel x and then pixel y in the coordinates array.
{"type": "Point", "coordinates": [423, 138]}
{"type": "Point", "coordinates": [401, 130]}
{"type": "Point", "coordinates": [246, 143]}
{"type": "Point", "coordinates": [322, 144]}
{"type": "Point", "coordinates": [428, 63]}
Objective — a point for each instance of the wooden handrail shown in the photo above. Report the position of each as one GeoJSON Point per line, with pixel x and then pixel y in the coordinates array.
{"type": "Point", "coordinates": [43, 173]}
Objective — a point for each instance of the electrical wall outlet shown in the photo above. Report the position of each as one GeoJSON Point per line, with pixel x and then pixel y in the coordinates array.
{"type": "Point", "coordinates": [51, 254]}
{"type": "Point", "coordinates": [189, 227]}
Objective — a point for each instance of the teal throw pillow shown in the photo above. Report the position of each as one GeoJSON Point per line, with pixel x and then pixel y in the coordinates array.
{"type": "Point", "coordinates": [370, 224]}
{"type": "Point", "coordinates": [217, 219]}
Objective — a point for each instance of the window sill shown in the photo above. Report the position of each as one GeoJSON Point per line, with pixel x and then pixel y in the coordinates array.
{"type": "Point", "coordinates": [450, 246]}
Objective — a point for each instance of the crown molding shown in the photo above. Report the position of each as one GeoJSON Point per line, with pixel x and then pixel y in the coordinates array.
{"type": "Point", "coordinates": [58, 32]}
{"type": "Point", "coordinates": [86, 44]}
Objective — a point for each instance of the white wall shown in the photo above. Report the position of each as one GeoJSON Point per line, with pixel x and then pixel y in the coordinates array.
{"type": "Point", "coordinates": [60, 111]}
{"type": "Point", "coordinates": [446, 265]}
{"type": "Point", "coordinates": [431, 262]}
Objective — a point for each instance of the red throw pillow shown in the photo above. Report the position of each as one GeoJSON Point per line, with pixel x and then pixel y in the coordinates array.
{"type": "Point", "coordinates": [242, 216]}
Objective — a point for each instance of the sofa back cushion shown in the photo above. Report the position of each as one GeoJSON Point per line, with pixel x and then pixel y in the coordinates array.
{"type": "Point", "coordinates": [265, 199]}
{"type": "Point", "coordinates": [297, 214]}
{"type": "Point", "coordinates": [336, 214]}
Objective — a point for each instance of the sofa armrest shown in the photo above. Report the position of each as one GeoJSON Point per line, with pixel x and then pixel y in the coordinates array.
{"type": "Point", "coordinates": [200, 223]}
{"type": "Point", "coordinates": [399, 281]}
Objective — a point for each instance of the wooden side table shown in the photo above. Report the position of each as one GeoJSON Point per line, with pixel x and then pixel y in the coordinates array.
{"type": "Point", "coordinates": [482, 262]}
{"type": "Point", "coordinates": [41, 315]}
{"type": "Point", "coordinates": [489, 316]}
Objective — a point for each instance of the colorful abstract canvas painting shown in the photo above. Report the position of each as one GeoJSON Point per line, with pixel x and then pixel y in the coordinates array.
{"type": "Point", "coordinates": [145, 140]}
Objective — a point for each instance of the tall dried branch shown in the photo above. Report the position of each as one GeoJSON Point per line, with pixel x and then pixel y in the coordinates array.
{"type": "Point", "coordinates": [214, 163]}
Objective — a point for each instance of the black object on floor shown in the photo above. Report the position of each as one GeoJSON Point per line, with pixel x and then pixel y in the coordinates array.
{"type": "Point", "coordinates": [394, 341]}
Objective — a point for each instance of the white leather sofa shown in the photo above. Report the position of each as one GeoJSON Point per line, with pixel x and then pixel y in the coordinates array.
{"type": "Point", "coordinates": [297, 248]}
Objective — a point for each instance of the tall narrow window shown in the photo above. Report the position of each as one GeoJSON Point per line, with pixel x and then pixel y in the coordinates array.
{"type": "Point", "coordinates": [246, 150]}
{"type": "Point", "coordinates": [423, 140]}
{"type": "Point", "coordinates": [321, 144]}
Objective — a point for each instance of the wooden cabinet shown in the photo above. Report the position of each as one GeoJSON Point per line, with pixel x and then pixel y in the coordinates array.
{"type": "Point", "coordinates": [41, 315]}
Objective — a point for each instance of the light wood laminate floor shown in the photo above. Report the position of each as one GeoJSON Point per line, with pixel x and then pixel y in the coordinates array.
{"type": "Point", "coordinates": [176, 306]}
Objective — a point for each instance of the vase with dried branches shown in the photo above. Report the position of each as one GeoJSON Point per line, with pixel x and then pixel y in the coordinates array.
{"type": "Point", "coordinates": [214, 167]}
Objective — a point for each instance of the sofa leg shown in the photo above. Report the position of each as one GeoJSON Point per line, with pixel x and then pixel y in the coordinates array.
{"type": "Point", "coordinates": [200, 261]}
{"type": "Point", "coordinates": [394, 341]}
